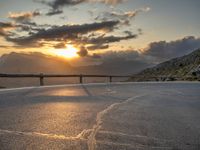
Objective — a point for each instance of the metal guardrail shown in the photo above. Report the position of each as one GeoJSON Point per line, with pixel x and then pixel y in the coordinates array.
{"type": "Point", "coordinates": [41, 76]}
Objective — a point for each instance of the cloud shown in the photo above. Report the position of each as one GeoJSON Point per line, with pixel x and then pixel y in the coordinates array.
{"type": "Point", "coordinates": [54, 12]}
{"type": "Point", "coordinates": [125, 55]}
{"type": "Point", "coordinates": [116, 15]}
{"type": "Point", "coordinates": [86, 35]}
{"type": "Point", "coordinates": [112, 2]}
{"type": "Point", "coordinates": [96, 56]}
{"type": "Point", "coordinates": [155, 53]}
{"type": "Point", "coordinates": [163, 50]}
{"type": "Point", "coordinates": [98, 35]}
{"type": "Point", "coordinates": [5, 27]}
{"type": "Point", "coordinates": [129, 61]}
{"type": "Point", "coordinates": [113, 62]}
{"type": "Point", "coordinates": [102, 42]}
{"type": "Point", "coordinates": [57, 4]}
{"type": "Point", "coordinates": [62, 33]}
{"type": "Point", "coordinates": [97, 46]}
{"type": "Point", "coordinates": [23, 17]}
{"type": "Point", "coordinates": [110, 39]}
{"type": "Point", "coordinates": [124, 17]}
{"type": "Point", "coordinates": [60, 46]}
{"type": "Point", "coordinates": [82, 52]}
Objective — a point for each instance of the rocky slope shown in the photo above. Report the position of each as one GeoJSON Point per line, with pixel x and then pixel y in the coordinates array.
{"type": "Point", "coordinates": [182, 68]}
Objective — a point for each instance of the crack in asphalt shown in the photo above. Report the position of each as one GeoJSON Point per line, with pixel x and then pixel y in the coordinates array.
{"type": "Point", "coordinates": [55, 136]}
{"type": "Point", "coordinates": [99, 121]}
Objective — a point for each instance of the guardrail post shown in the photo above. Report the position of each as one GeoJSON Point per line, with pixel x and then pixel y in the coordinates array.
{"type": "Point", "coordinates": [81, 78]}
{"type": "Point", "coordinates": [41, 80]}
{"type": "Point", "coordinates": [110, 79]}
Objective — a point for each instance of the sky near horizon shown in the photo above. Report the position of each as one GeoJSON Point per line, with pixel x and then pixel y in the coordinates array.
{"type": "Point", "coordinates": [96, 26]}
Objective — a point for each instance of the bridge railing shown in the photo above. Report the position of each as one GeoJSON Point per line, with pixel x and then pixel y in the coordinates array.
{"type": "Point", "coordinates": [42, 76]}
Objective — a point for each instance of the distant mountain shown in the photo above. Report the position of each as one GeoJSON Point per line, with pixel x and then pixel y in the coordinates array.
{"type": "Point", "coordinates": [41, 63]}
{"type": "Point", "coordinates": [33, 63]}
{"type": "Point", "coordinates": [184, 68]}
{"type": "Point", "coordinates": [115, 67]}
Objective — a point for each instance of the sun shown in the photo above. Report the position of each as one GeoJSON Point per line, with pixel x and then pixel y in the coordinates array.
{"type": "Point", "coordinates": [69, 52]}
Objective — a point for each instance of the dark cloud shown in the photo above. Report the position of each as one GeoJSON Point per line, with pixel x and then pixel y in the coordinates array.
{"type": "Point", "coordinates": [110, 39]}
{"type": "Point", "coordinates": [4, 46]}
{"type": "Point", "coordinates": [62, 33]}
{"type": "Point", "coordinates": [96, 56]}
{"type": "Point", "coordinates": [85, 34]}
{"type": "Point", "coordinates": [5, 27]}
{"type": "Point", "coordinates": [157, 52]}
{"type": "Point", "coordinates": [102, 42]}
{"type": "Point", "coordinates": [127, 55]}
{"type": "Point", "coordinates": [123, 62]}
{"type": "Point", "coordinates": [114, 62]}
{"type": "Point", "coordinates": [97, 46]}
{"type": "Point", "coordinates": [82, 52]}
{"type": "Point", "coordinates": [57, 4]}
{"type": "Point", "coordinates": [163, 50]}
{"type": "Point", "coordinates": [60, 3]}
{"type": "Point", "coordinates": [60, 46]}
{"type": "Point", "coordinates": [54, 12]}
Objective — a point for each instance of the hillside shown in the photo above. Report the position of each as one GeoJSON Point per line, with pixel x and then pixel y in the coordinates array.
{"type": "Point", "coordinates": [183, 68]}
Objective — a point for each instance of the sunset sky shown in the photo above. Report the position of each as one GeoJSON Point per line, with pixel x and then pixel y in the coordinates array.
{"type": "Point", "coordinates": [87, 28]}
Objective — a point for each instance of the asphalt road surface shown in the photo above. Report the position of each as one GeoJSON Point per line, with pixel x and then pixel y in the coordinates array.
{"type": "Point", "coordinates": [126, 116]}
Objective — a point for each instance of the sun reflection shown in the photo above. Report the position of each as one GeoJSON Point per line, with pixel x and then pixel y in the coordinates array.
{"type": "Point", "coordinates": [69, 52]}
{"type": "Point", "coordinates": [68, 92]}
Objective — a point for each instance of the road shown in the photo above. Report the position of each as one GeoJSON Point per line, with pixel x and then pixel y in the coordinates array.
{"type": "Point", "coordinates": [122, 116]}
